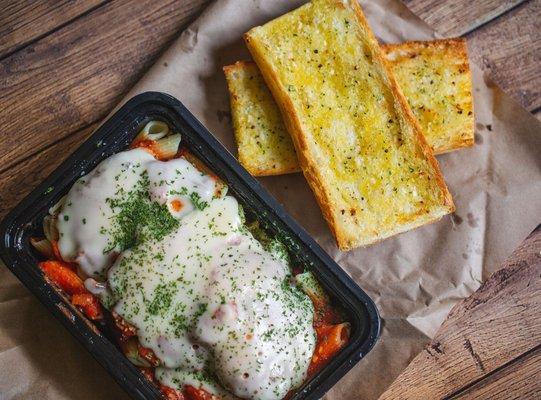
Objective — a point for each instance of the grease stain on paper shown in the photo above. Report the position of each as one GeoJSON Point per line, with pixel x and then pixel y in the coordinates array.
{"type": "Point", "coordinates": [472, 221]}
{"type": "Point", "coordinates": [456, 220]}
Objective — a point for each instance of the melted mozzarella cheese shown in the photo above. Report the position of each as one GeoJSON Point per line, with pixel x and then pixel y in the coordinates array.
{"type": "Point", "coordinates": [204, 295]}
{"type": "Point", "coordinates": [208, 295]}
{"type": "Point", "coordinates": [86, 222]}
{"type": "Point", "coordinates": [176, 181]}
{"type": "Point", "coordinates": [176, 378]}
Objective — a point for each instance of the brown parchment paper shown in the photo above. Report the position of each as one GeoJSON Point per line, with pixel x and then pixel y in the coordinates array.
{"type": "Point", "coordinates": [414, 278]}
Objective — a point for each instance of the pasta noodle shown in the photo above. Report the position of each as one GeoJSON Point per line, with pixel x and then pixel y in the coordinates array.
{"type": "Point", "coordinates": [57, 206]}
{"type": "Point", "coordinates": [331, 338]}
{"type": "Point", "coordinates": [43, 246]}
{"type": "Point", "coordinates": [153, 130]}
{"type": "Point", "coordinates": [49, 228]}
{"type": "Point", "coordinates": [163, 149]}
{"type": "Point", "coordinates": [167, 147]}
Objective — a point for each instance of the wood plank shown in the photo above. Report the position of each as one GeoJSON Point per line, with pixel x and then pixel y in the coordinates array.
{"type": "Point", "coordinates": [455, 18]}
{"type": "Point", "coordinates": [519, 380]}
{"type": "Point", "coordinates": [74, 76]}
{"type": "Point", "coordinates": [509, 49]}
{"type": "Point", "coordinates": [492, 327]}
{"type": "Point", "coordinates": [21, 179]}
{"type": "Point", "coordinates": [24, 21]}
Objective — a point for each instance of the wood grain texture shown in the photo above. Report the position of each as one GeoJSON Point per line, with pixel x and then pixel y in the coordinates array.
{"type": "Point", "coordinates": [73, 77]}
{"type": "Point", "coordinates": [22, 178]}
{"type": "Point", "coordinates": [25, 20]}
{"type": "Point", "coordinates": [455, 18]}
{"type": "Point", "coordinates": [509, 49]}
{"type": "Point", "coordinates": [494, 326]}
{"type": "Point", "coordinates": [519, 380]}
{"type": "Point", "coordinates": [55, 89]}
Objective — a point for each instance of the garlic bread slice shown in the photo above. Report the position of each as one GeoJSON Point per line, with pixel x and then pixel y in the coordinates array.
{"type": "Point", "coordinates": [435, 78]}
{"type": "Point", "coordinates": [263, 143]}
{"type": "Point", "coordinates": [358, 143]}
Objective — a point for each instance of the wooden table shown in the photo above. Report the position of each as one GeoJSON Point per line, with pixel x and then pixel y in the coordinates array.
{"type": "Point", "coordinates": [65, 64]}
{"type": "Point", "coordinates": [489, 347]}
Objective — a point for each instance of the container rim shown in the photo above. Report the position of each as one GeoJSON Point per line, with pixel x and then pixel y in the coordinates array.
{"type": "Point", "coordinates": [16, 257]}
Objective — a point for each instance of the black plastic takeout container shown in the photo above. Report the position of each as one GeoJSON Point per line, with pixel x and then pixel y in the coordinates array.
{"type": "Point", "coordinates": [114, 135]}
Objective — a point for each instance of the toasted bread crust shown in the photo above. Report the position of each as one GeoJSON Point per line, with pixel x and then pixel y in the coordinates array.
{"type": "Point", "coordinates": [345, 238]}
{"type": "Point", "coordinates": [456, 45]}
{"type": "Point", "coordinates": [454, 51]}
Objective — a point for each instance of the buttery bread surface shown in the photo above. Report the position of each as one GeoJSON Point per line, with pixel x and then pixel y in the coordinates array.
{"type": "Point", "coordinates": [263, 143]}
{"type": "Point", "coordinates": [435, 78]}
{"type": "Point", "coordinates": [358, 143]}
{"type": "Point", "coordinates": [433, 75]}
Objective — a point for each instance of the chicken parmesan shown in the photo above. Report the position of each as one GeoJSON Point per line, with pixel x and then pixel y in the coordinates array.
{"type": "Point", "coordinates": [203, 300]}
